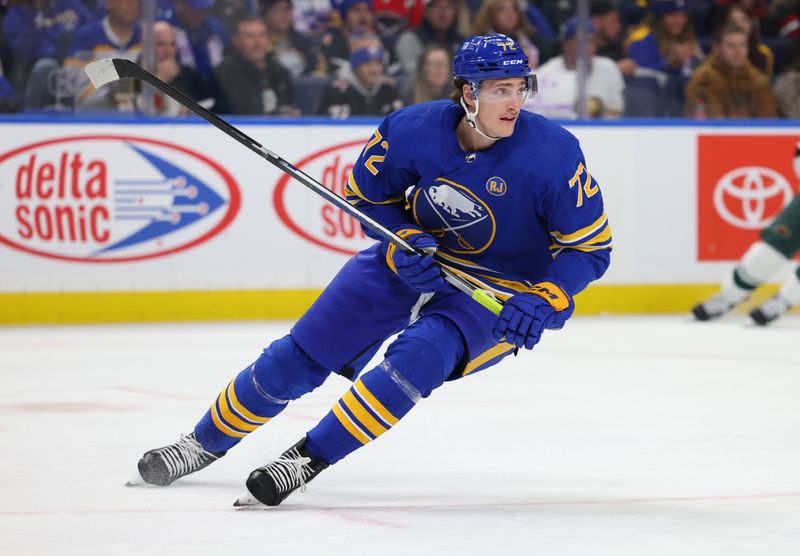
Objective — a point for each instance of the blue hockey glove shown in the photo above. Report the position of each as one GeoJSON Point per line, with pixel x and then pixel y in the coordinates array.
{"type": "Point", "coordinates": [525, 315]}
{"type": "Point", "coordinates": [420, 273]}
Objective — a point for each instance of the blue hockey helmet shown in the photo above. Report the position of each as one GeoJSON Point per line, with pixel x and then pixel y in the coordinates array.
{"type": "Point", "coordinates": [484, 57]}
{"type": "Point", "coordinates": [490, 57]}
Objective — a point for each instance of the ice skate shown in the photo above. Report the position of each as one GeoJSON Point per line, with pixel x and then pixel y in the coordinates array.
{"type": "Point", "coordinates": [715, 307]}
{"type": "Point", "coordinates": [163, 466]}
{"type": "Point", "coordinates": [275, 481]}
{"type": "Point", "coordinates": [770, 310]}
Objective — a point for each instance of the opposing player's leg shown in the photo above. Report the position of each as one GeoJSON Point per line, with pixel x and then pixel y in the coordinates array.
{"type": "Point", "coordinates": [787, 297]}
{"type": "Point", "coordinates": [759, 264]}
{"type": "Point", "coordinates": [784, 235]}
{"type": "Point", "coordinates": [339, 333]}
{"type": "Point", "coordinates": [778, 244]}
{"type": "Point", "coordinates": [416, 363]}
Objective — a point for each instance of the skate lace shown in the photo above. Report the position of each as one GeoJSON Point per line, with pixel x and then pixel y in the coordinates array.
{"type": "Point", "coordinates": [290, 471]}
{"type": "Point", "coordinates": [185, 456]}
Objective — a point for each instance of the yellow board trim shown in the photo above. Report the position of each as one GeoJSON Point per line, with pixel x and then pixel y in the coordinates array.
{"type": "Point", "coordinates": [237, 405]}
{"type": "Point", "coordinates": [374, 404]}
{"type": "Point", "coordinates": [221, 305]}
{"type": "Point", "coordinates": [347, 424]}
{"type": "Point", "coordinates": [153, 306]}
{"type": "Point", "coordinates": [355, 407]}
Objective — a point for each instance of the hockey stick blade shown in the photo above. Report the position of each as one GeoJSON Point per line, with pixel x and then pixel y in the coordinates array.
{"type": "Point", "coordinates": [101, 72]}
{"type": "Point", "coordinates": [108, 70]}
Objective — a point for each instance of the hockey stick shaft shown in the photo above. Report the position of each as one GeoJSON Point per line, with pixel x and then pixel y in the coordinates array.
{"type": "Point", "coordinates": [108, 70]}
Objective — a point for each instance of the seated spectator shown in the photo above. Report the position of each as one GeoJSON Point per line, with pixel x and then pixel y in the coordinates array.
{"type": "Point", "coordinates": [433, 79]}
{"type": "Point", "coordinates": [167, 68]}
{"type": "Point", "coordinates": [364, 90]}
{"type": "Point", "coordinates": [295, 51]}
{"type": "Point", "coordinates": [357, 19]}
{"type": "Point", "coordinates": [38, 32]}
{"type": "Point", "coordinates": [760, 54]}
{"type": "Point", "coordinates": [201, 38]}
{"type": "Point", "coordinates": [787, 86]}
{"type": "Point", "coordinates": [607, 23]}
{"type": "Point", "coordinates": [439, 26]}
{"type": "Point", "coordinates": [558, 81]}
{"type": "Point", "coordinates": [666, 41]}
{"type": "Point", "coordinates": [506, 17]}
{"type": "Point", "coordinates": [727, 85]}
{"type": "Point", "coordinates": [117, 35]}
{"type": "Point", "coordinates": [249, 79]}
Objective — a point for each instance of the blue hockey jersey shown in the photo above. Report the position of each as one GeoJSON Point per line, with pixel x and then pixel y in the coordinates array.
{"type": "Point", "coordinates": [522, 211]}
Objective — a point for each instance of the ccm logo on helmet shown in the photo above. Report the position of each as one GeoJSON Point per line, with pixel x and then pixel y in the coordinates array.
{"type": "Point", "coordinates": [511, 62]}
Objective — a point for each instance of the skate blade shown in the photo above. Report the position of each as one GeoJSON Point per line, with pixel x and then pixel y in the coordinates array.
{"type": "Point", "coordinates": [136, 481]}
{"type": "Point", "coordinates": [247, 500]}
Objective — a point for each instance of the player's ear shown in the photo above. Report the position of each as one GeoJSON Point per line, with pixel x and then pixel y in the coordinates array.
{"type": "Point", "coordinates": [466, 93]}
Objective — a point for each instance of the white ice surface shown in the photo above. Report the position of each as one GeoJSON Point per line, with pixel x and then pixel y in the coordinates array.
{"type": "Point", "coordinates": [625, 436]}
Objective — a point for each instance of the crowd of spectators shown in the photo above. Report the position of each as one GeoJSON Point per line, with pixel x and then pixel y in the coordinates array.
{"type": "Point", "coordinates": [341, 58]}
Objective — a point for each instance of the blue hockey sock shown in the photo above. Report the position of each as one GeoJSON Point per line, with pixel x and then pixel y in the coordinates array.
{"type": "Point", "coordinates": [238, 410]}
{"type": "Point", "coordinates": [373, 405]}
{"type": "Point", "coordinates": [369, 408]}
{"type": "Point", "coordinates": [416, 363]}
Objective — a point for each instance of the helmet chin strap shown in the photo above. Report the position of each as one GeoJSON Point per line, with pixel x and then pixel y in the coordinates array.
{"type": "Point", "coordinates": [472, 115]}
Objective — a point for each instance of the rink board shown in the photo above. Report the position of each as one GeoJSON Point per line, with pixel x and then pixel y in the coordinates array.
{"type": "Point", "coordinates": [140, 219]}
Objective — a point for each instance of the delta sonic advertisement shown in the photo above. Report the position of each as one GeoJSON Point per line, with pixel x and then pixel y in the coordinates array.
{"type": "Point", "coordinates": [111, 198]}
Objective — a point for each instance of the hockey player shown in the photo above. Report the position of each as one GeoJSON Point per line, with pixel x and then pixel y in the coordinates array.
{"type": "Point", "coordinates": [778, 243]}
{"type": "Point", "coordinates": [504, 199]}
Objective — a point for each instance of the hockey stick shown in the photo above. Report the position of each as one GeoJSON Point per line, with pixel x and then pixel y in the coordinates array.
{"type": "Point", "coordinates": [105, 71]}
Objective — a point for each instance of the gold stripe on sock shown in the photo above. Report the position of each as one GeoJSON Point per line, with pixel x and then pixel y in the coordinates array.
{"type": "Point", "coordinates": [374, 404]}
{"type": "Point", "coordinates": [231, 419]}
{"type": "Point", "coordinates": [362, 414]}
{"type": "Point", "coordinates": [242, 410]}
{"type": "Point", "coordinates": [349, 425]}
{"type": "Point", "coordinates": [222, 426]}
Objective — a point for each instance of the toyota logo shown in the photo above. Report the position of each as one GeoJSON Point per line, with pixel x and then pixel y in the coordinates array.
{"type": "Point", "coordinates": [750, 188]}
